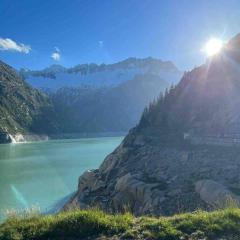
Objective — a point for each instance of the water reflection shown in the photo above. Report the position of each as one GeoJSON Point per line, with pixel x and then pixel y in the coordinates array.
{"type": "Point", "coordinates": [42, 173]}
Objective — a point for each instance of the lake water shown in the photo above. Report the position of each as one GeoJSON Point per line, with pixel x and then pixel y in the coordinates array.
{"type": "Point", "coordinates": [43, 173]}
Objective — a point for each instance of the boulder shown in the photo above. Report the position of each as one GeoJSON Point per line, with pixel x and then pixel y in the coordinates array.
{"type": "Point", "coordinates": [216, 194]}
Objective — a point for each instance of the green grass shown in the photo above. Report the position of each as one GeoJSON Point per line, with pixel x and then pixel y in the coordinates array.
{"type": "Point", "coordinates": [81, 224]}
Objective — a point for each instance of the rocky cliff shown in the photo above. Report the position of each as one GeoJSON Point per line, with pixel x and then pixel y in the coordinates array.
{"type": "Point", "coordinates": [156, 169]}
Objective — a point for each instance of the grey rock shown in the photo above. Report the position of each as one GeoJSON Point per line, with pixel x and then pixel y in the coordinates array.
{"type": "Point", "coordinates": [216, 194]}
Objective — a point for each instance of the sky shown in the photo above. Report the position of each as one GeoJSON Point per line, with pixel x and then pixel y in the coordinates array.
{"type": "Point", "coordinates": [37, 33]}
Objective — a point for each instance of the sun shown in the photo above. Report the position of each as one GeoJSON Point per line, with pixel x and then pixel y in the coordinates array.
{"type": "Point", "coordinates": [213, 46]}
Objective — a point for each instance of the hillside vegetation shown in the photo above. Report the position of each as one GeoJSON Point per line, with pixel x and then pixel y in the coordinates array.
{"type": "Point", "coordinates": [95, 224]}
{"type": "Point", "coordinates": [22, 108]}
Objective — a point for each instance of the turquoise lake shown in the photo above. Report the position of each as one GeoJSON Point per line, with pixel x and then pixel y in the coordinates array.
{"type": "Point", "coordinates": [42, 173]}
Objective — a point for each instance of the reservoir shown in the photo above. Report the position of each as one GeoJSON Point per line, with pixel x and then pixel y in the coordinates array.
{"type": "Point", "coordinates": [42, 174]}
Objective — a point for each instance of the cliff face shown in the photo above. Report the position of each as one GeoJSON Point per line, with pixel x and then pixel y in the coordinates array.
{"type": "Point", "coordinates": [158, 170]}
{"type": "Point", "coordinates": [22, 108]}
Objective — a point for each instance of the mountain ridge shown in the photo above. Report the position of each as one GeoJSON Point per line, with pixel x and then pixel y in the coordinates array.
{"type": "Point", "coordinates": [100, 75]}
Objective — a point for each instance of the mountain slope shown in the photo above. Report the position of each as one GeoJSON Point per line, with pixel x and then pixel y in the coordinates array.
{"type": "Point", "coordinates": [22, 108]}
{"type": "Point", "coordinates": [112, 109]}
{"type": "Point", "coordinates": [184, 154]}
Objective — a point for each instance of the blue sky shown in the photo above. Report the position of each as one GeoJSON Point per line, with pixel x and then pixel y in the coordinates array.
{"type": "Point", "coordinates": [70, 32]}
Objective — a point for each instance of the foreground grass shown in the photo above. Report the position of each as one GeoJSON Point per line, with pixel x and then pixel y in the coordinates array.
{"type": "Point", "coordinates": [91, 224]}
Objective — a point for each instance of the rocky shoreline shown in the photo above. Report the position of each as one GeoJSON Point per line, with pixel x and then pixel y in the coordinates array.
{"type": "Point", "coordinates": [146, 178]}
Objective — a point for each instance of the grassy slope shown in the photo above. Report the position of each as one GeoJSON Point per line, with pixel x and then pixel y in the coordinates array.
{"type": "Point", "coordinates": [222, 224]}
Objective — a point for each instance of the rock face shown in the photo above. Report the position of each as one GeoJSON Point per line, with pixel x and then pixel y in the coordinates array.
{"type": "Point", "coordinates": [156, 170]}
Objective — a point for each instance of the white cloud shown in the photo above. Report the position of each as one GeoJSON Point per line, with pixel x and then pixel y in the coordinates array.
{"type": "Point", "coordinates": [7, 44]}
{"type": "Point", "coordinates": [56, 54]}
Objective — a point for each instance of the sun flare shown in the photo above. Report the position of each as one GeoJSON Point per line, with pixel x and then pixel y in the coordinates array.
{"type": "Point", "coordinates": [213, 46]}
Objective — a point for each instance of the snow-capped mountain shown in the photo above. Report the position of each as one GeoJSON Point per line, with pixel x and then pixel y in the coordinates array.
{"type": "Point", "coordinates": [94, 75]}
{"type": "Point", "coordinates": [103, 98]}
